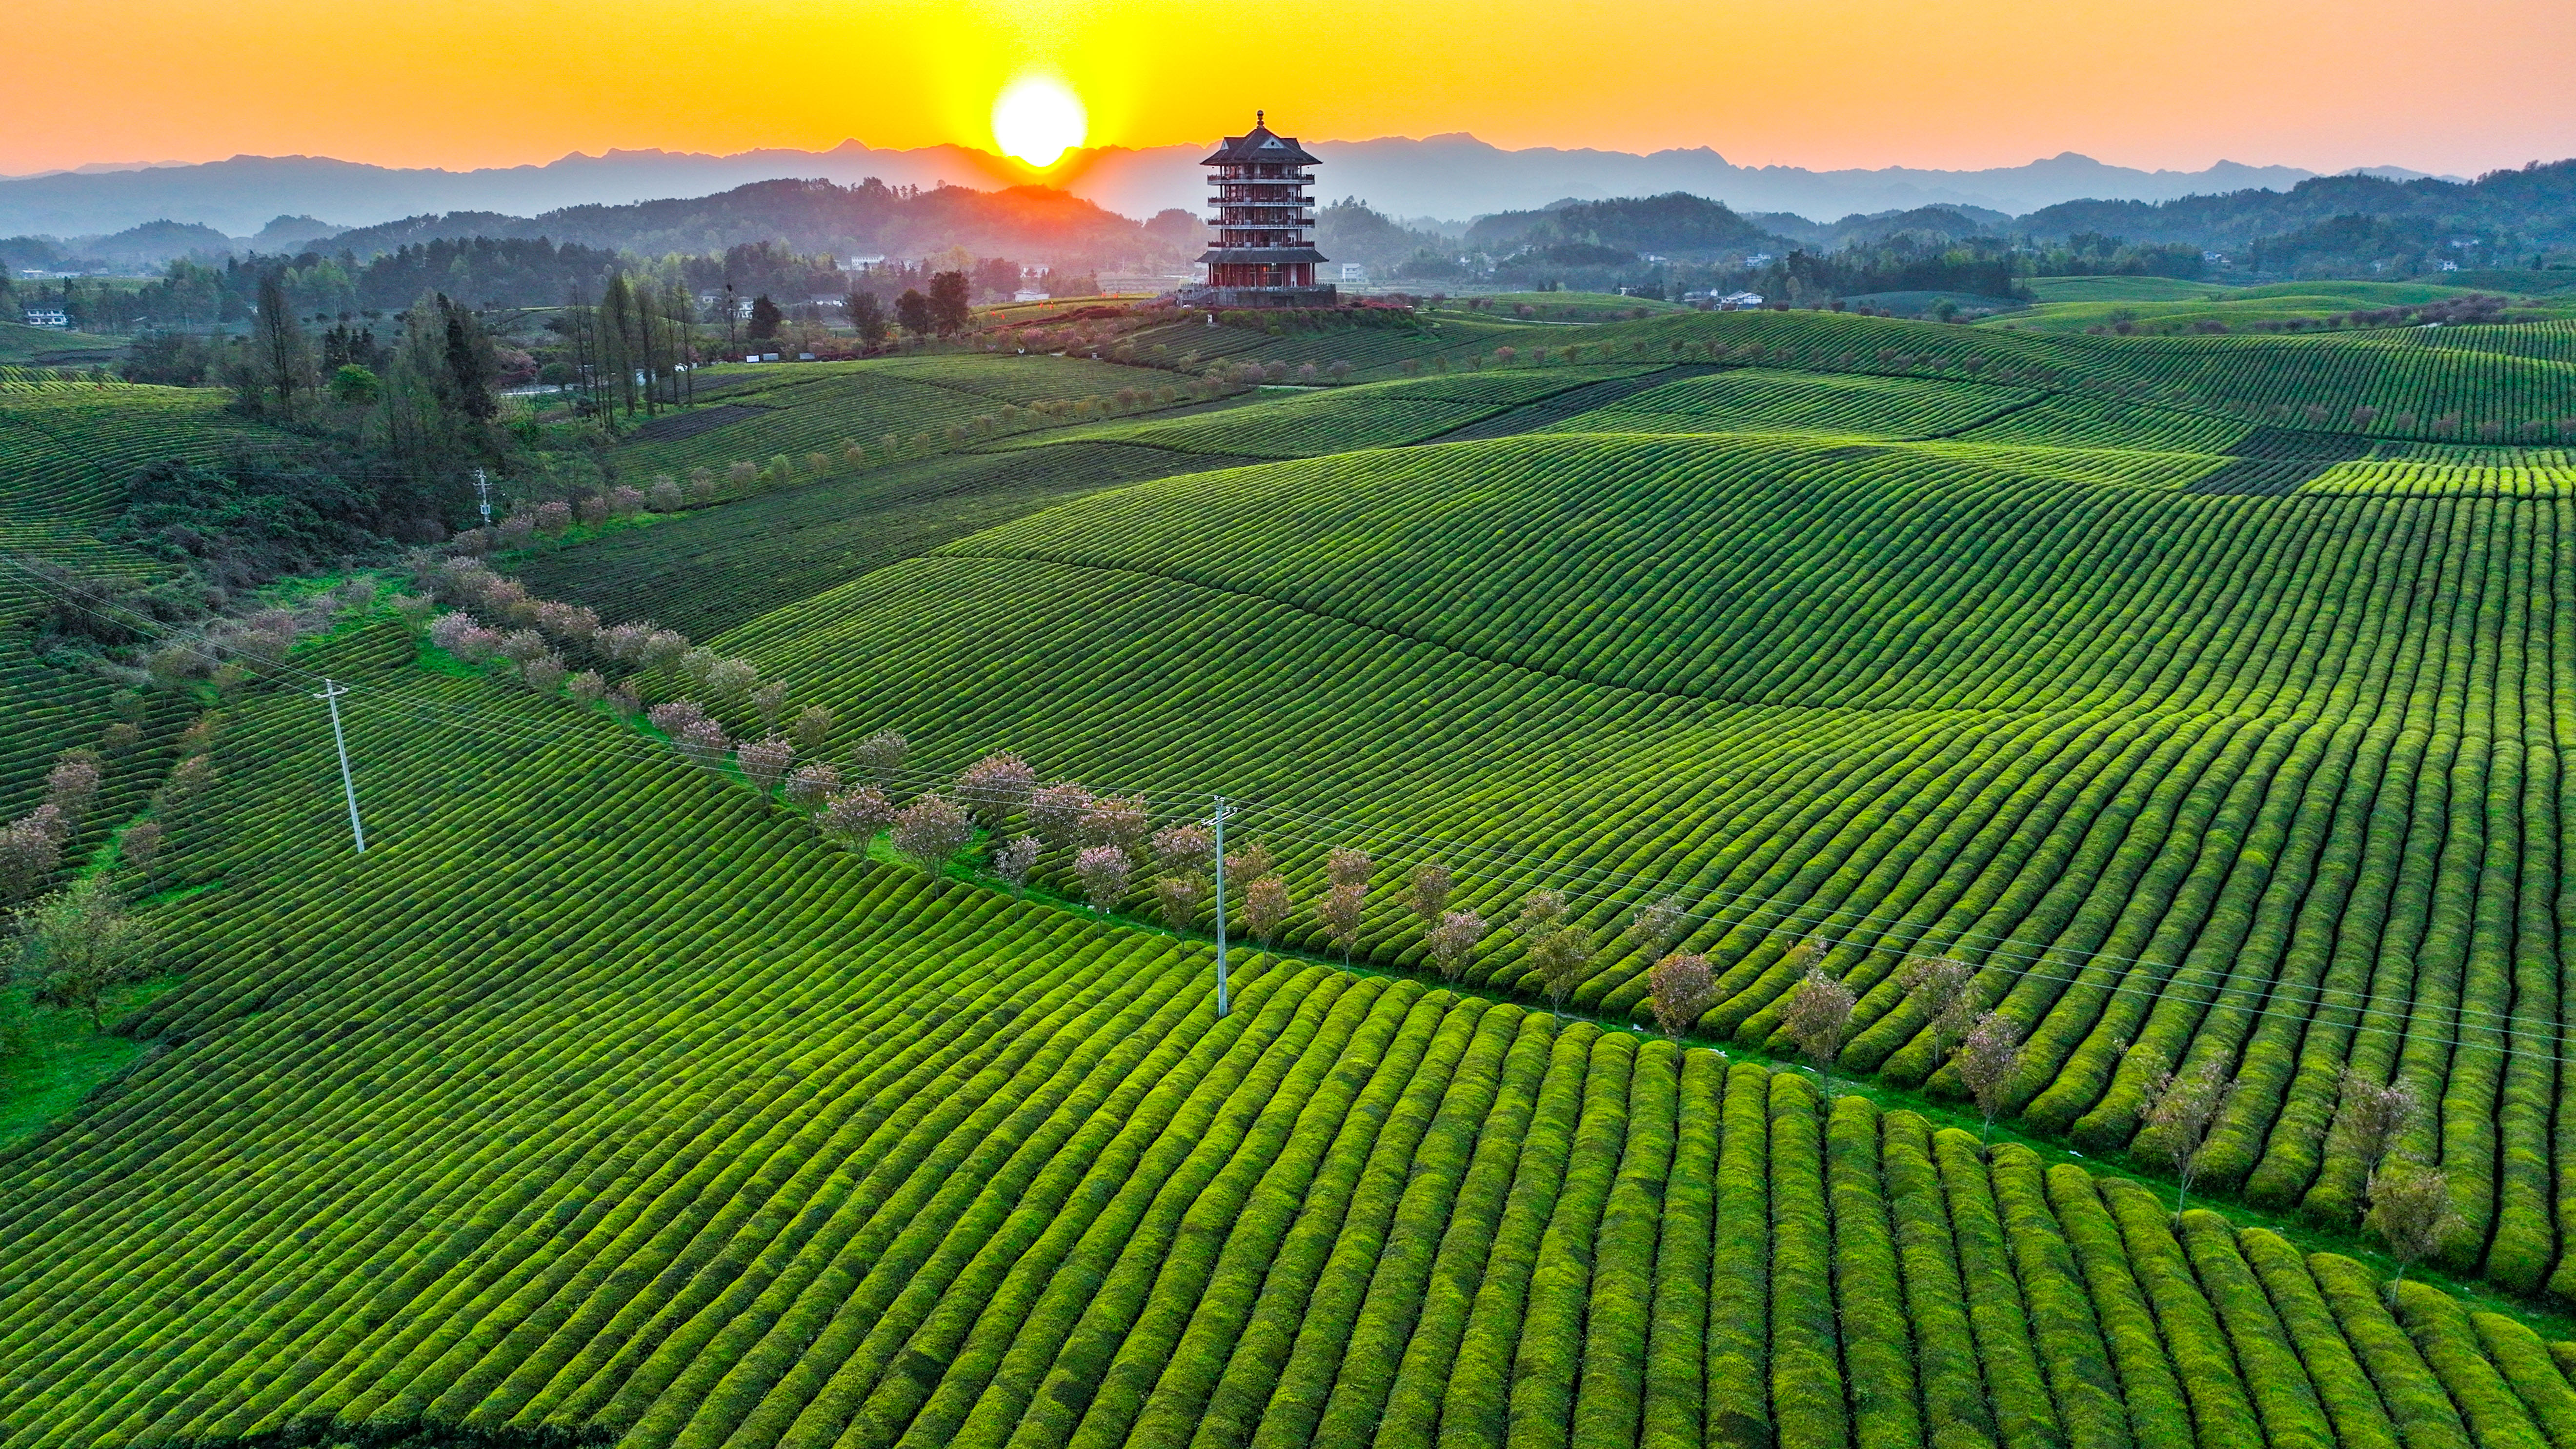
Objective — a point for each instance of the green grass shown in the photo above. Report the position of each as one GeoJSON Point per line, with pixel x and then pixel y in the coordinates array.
{"type": "Point", "coordinates": [565, 1129]}
{"type": "Point", "coordinates": [60, 1060]}
{"type": "Point", "coordinates": [2198, 307]}
{"type": "Point", "coordinates": [43, 346]}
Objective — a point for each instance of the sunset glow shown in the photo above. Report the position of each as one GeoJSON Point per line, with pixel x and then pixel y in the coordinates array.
{"type": "Point", "coordinates": [1967, 83]}
{"type": "Point", "coordinates": [1037, 120]}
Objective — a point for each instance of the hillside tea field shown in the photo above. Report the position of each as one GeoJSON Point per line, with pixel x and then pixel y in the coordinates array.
{"type": "Point", "coordinates": [2203, 695]}
{"type": "Point", "coordinates": [599, 1102]}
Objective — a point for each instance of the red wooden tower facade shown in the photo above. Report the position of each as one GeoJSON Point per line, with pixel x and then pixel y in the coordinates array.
{"type": "Point", "coordinates": [1263, 254]}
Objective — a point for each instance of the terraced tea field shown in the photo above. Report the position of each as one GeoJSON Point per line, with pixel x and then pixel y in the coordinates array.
{"type": "Point", "coordinates": [2204, 695]}
{"type": "Point", "coordinates": [545, 1135]}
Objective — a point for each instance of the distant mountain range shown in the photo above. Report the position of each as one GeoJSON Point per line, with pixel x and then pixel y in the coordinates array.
{"type": "Point", "coordinates": [1453, 176]}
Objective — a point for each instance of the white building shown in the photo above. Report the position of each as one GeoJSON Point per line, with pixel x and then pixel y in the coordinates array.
{"type": "Point", "coordinates": [1354, 273]}
{"type": "Point", "coordinates": [1739, 301]}
{"type": "Point", "coordinates": [48, 317]}
{"type": "Point", "coordinates": [1031, 294]}
{"type": "Point", "coordinates": [863, 265]}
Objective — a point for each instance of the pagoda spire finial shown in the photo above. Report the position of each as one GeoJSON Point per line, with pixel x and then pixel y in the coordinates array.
{"type": "Point", "coordinates": [1256, 118]}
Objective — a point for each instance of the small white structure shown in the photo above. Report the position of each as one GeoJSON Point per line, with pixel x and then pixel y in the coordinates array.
{"type": "Point", "coordinates": [864, 265]}
{"type": "Point", "coordinates": [1353, 272]}
{"type": "Point", "coordinates": [1758, 259]}
{"type": "Point", "coordinates": [1739, 301]}
{"type": "Point", "coordinates": [1031, 294]}
{"type": "Point", "coordinates": [48, 317]}
{"type": "Point", "coordinates": [2446, 266]}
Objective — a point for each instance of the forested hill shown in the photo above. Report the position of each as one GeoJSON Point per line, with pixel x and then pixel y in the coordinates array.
{"type": "Point", "coordinates": [2532, 207]}
{"type": "Point", "coordinates": [1026, 221]}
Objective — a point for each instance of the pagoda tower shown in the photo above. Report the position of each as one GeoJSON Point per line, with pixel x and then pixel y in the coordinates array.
{"type": "Point", "coordinates": [1263, 254]}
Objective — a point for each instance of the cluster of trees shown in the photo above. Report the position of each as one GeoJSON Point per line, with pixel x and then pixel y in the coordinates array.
{"type": "Point", "coordinates": [1106, 849]}
{"type": "Point", "coordinates": [73, 948]}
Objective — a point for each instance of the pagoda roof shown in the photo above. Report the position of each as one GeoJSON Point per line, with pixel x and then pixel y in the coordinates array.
{"type": "Point", "coordinates": [1263, 146]}
{"type": "Point", "coordinates": [1262, 256]}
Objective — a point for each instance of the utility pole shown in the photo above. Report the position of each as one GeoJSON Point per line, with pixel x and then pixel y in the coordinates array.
{"type": "Point", "coordinates": [1222, 1005]}
{"type": "Point", "coordinates": [330, 694]}
{"type": "Point", "coordinates": [483, 496]}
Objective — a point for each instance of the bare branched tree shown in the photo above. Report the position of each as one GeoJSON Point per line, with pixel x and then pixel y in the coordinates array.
{"type": "Point", "coordinates": [1818, 1017]}
{"type": "Point", "coordinates": [1987, 1059]}
{"type": "Point", "coordinates": [1939, 986]}
{"type": "Point", "coordinates": [1265, 907]}
{"type": "Point", "coordinates": [1654, 927]}
{"type": "Point", "coordinates": [1426, 893]}
{"type": "Point", "coordinates": [2369, 1115]}
{"type": "Point", "coordinates": [1340, 912]}
{"type": "Point", "coordinates": [1453, 942]}
{"type": "Point", "coordinates": [1014, 858]}
{"type": "Point", "coordinates": [2178, 1114]}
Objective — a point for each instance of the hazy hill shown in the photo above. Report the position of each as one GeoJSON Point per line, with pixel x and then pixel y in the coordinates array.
{"type": "Point", "coordinates": [1448, 176]}
{"type": "Point", "coordinates": [1030, 222]}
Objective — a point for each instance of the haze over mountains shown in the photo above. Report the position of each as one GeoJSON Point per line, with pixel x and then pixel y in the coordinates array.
{"type": "Point", "coordinates": [1448, 176]}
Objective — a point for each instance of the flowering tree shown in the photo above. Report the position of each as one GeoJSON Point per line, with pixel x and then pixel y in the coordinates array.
{"type": "Point", "coordinates": [1988, 1057]}
{"type": "Point", "coordinates": [931, 830]}
{"type": "Point", "coordinates": [769, 702]}
{"type": "Point", "coordinates": [1179, 897]}
{"type": "Point", "coordinates": [31, 849]}
{"type": "Point", "coordinates": [812, 784]}
{"type": "Point", "coordinates": [673, 717]}
{"type": "Point", "coordinates": [587, 688]}
{"type": "Point", "coordinates": [880, 755]}
{"type": "Point", "coordinates": [812, 728]}
{"type": "Point", "coordinates": [1117, 820]}
{"type": "Point", "coordinates": [1014, 858]}
{"type": "Point", "coordinates": [71, 786]}
{"type": "Point", "coordinates": [1056, 811]}
{"type": "Point", "coordinates": [545, 674]}
{"type": "Point", "coordinates": [704, 741]}
{"type": "Point", "coordinates": [996, 785]}
{"type": "Point", "coordinates": [764, 762]}
{"type": "Point", "coordinates": [1562, 958]}
{"type": "Point", "coordinates": [854, 818]}
{"type": "Point", "coordinates": [1346, 865]}
{"type": "Point", "coordinates": [2412, 1212]}
{"type": "Point", "coordinates": [1818, 1016]}
{"type": "Point", "coordinates": [730, 678]}
{"type": "Point", "coordinates": [1265, 907]}
{"type": "Point", "coordinates": [1654, 927]}
{"type": "Point", "coordinates": [1681, 990]}
{"type": "Point", "coordinates": [1185, 849]}
{"type": "Point", "coordinates": [1102, 870]}
{"type": "Point", "coordinates": [1453, 942]}
{"type": "Point", "coordinates": [2369, 1116]}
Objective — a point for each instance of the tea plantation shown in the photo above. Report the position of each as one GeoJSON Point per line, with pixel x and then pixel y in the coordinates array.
{"type": "Point", "coordinates": [2202, 695]}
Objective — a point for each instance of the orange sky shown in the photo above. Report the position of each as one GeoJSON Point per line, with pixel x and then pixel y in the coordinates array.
{"type": "Point", "coordinates": [2461, 87]}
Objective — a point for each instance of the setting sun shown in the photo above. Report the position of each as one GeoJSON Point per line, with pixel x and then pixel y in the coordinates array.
{"type": "Point", "coordinates": [1037, 120]}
